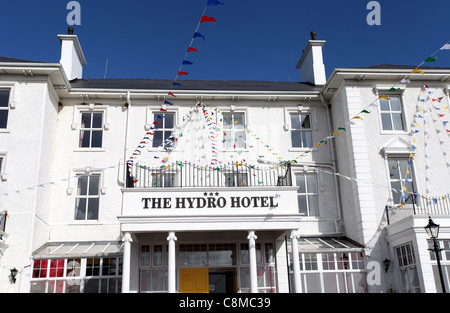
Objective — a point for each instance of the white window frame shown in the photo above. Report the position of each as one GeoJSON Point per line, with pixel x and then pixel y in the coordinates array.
{"type": "Point", "coordinates": [3, 166]}
{"type": "Point", "coordinates": [75, 278]}
{"type": "Point", "coordinates": [8, 107]}
{"type": "Point", "coordinates": [411, 169]}
{"type": "Point", "coordinates": [87, 197]}
{"type": "Point", "coordinates": [307, 194]}
{"type": "Point", "coordinates": [76, 124]}
{"type": "Point", "coordinates": [162, 129]}
{"type": "Point", "coordinates": [390, 94]}
{"type": "Point", "coordinates": [91, 129]}
{"type": "Point", "coordinates": [301, 130]}
{"type": "Point", "coordinates": [319, 270]}
{"type": "Point", "coordinates": [410, 266]}
{"type": "Point", "coordinates": [233, 130]}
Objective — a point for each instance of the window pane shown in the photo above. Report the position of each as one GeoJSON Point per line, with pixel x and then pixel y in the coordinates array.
{"type": "Point", "coordinates": [307, 139]}
{"type": "Point", "coordinates": [227, 121]}
{"type": "Point", "coordinates": [92, 209]}
{"type": "Point", "coordinates": [403, 164]}
{"type": "Point", "coordinates": [97, 120]}
{"type": "Point", "coordinates": [93, 267]}
{"type": "Point", "coordinates": [398, 121]}
{"type": "Point", "coordinates": [145, 255]}
{"type": "Point", "coordinates": [302, 205]}
{"type": "Point", "coordinates": [109, 267]}
{"type": "Point", "coordinates": [169, 120]}
{"type": "Point", "coordinates": [97, 137]}
{"type": "Point", "coordinates": [295, 121]}
{"type": "Point", "coordinates": [395, 104]}
{"type": "Point", "coordinates": [386, 121]}
{"type": "Point", "coordinates": [300, 180]}
{"type": "Point", "coordinates": [157, 139]}
{"type": "Point", "coordinates": [57, 268]}
{"type": "Point", "coordinates": [296, 139]}
{"type": "Point", "coordinates": [3, 118]}
{"type": "Point", "coordinates": [157, 255]}
{"type": "Point", "coordinates": [396, 195]}
{"type": "Point", "coordinates": [311, 183]}
{"type": "Point", "coordinates": [86, 120]}
{"type": "Point", "coordinates": [384, 105]}
{"type": "Point", "coordinates": [238, 121]}
{"type": "Point", "coordinates": [313, 206]}
{"type": "Point", "coordinates": [394, 172]}
{"type": "Point", "coordinates": [85, 138]}
{"type": "Point", "coordinates": [82, 185]}
{"type": "Point", "coordinates": [4, 98]}
{"type": "Point", "coordinates": [94, 184]}
{"type": "Point", "coordinates": [306, 121]}
{"type": "Point", "coordinates": [80, 209]}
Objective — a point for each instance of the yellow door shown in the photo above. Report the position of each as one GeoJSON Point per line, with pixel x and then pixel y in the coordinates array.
{"type": "Point", "coordinates": [194, 280]}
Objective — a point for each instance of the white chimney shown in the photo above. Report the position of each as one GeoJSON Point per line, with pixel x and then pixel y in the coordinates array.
{"type": "Point", "coordinates": [72, 57]}
{"type": "Point", "coordinates": [311, 65]}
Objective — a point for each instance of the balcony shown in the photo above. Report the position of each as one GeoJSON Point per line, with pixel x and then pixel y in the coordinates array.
{"type": "Point", "coordinates": [187, 197]}
{"type": "Point", "coordinates": [418, 205]}
{"type": "Point", "coordinates": [186, 174]}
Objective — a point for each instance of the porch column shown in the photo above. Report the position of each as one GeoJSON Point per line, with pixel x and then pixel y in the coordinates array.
{"type": "Point", "coordinates": [127, 240]}
{"type": "Point", "coordinates": [296, 261]}
{"type": "Point", "coordinates": [172, 273]}
{"type": "Point", "coordinates": [252, 255]}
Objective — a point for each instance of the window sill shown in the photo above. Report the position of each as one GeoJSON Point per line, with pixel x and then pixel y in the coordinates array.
{"type": "Point", "coordinates": [301, 149]}
{"type": "Point", "coordinates": [89, 150]}
{"type": "Point", "coordinates": [5, 130]}
{"type": "Point", "coordinates": [394, 132]}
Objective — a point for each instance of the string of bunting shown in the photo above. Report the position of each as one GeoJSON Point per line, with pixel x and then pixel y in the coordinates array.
{"type": "Point", "coordinates": [171, 93]}
{"type": "Point", "coordinates": [367, 110]}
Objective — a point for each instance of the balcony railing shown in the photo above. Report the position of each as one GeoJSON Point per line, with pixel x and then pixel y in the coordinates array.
{"type": "Point", "coordinates": [187, 174]}
{"type": "Point", "coordinates": [418, 205]}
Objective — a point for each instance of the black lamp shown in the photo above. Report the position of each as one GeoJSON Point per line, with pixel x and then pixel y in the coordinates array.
{"type": "Point", "coordinates": [386, 263]}
{"type": "Point", "coordinates": [14, 272]}
{"type": "Point", "coordinates": [432, 230]}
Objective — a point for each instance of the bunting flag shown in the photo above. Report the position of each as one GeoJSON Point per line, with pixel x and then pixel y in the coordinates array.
{"type": "Point", "coordinates": [173, 138]}
{"type": "Point", "coordinates": [207, 19]}
{"type": "Point", "coordinates": [446, 47]}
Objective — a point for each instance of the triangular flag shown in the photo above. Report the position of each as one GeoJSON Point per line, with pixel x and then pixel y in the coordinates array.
{"type": "Point", "coordinates": [182, 73]}
{"type": "Point", "coordinates": [198, 35]}
{"type": "Point", "coordinates": [416, 70]}
{"type": "Point", "coordinates": [192, 49]}
{"type": "Point", "coordinates": [446, 47]}
{"type": "Point", "coordinates": [384, 97]}
{"type": "Point", "coordinates": [186, 62]}
{"type": "Point", "coordinates": [431, 59]}
{"type": "Point", "coordinates": [342, 128]}
{"type": "Point", "coordinates": [214, 2]}
{"type": "Point", "coordinates": [207, 19]}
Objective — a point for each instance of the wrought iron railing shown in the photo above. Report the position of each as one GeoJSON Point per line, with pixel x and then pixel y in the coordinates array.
{"type": "Point", "coordinates": [187, 174]}
{"type": "Point", "coordinates": [418, 205]}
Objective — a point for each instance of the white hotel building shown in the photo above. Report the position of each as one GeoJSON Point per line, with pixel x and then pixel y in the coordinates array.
{"type": "Point", "coordinates": [90, 202]}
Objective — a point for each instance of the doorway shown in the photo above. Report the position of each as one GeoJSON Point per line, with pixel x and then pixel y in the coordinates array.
{"type": "Point", "coordinates": [204, 280]}
{"type": "Point", "coordinates": [223, 281]}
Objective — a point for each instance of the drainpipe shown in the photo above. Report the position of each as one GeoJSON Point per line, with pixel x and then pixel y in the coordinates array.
{"type": "Point", "coordinates": [333, 161]}
{"type": "Point", "coordinates": [125, 148]}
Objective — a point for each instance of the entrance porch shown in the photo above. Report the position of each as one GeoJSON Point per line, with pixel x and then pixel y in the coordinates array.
{"type": "Point", "coordinates": [206, 262]}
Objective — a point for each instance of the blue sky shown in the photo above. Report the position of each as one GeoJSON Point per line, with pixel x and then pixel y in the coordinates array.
{"type": "Point", "coordinates": [252, 40]}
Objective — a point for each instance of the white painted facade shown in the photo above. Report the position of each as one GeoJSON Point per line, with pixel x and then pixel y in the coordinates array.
{"type": "Point", "coordinates": [43, 162]}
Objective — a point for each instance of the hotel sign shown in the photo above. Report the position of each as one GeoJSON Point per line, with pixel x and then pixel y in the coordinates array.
{"type": "Point", "coordinates": [211, 200]}
{"type": "Point", "coordinates": [220, 201]}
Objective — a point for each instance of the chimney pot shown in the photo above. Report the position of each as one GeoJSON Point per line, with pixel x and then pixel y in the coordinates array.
{"type": "Point", "coordinates": [70, 31]}
{"type": "Point", "coordinates": [313, 35]}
